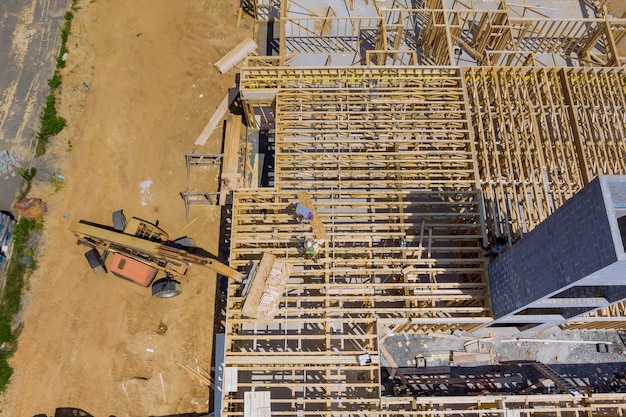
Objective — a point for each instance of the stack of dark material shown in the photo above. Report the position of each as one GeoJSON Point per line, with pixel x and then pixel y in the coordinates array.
{"type": "Point", "coordinates": [7, 222]}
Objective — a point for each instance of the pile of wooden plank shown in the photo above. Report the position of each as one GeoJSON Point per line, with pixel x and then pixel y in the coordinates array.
{"type": "Point", "coordinates": [230, 164]}
{"type": "Point", "coordinates": [230, 175]}
{"type": "Point", "coordinates": [266, 289]}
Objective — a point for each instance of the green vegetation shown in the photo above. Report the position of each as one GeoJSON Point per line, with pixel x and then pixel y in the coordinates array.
{"type": "Point", "coordinates": [25, 232]}
{"type": "Point", "coordinates": [28, 175]}
{"type": "Point", "coordinates": [54, 82]}
{"type": "Point", "coordinates": [65, 33]}
{"type": "Point", "coordinates": [58, 184]}
{"type": "Point", "coordinates": [51, 123]}
{"type": "Point", "coordinates": [22, 263]}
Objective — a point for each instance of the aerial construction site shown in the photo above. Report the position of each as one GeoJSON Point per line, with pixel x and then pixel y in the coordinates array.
{"type": "Point", "coordinates": [375, 155]}
{"type": "Point", "coordinates": [342, 208]}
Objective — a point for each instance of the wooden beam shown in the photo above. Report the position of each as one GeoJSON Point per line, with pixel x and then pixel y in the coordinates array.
{"type": "Point", "coordinates": [316, 223]}
{"type": "Point", "coordinates": [573, 125]}
{"type": "Point", "coordinates": [238, 53]}
{"type": "Point", "coordinates": [218, 115]}
{"type": "Point", "coordinates": [232, 143]}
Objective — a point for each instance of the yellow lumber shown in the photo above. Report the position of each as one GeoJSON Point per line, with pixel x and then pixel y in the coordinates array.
{"type": "Point", "coordinates": [318, 227]}
{"type": "Point", "coordinates": [201, 378]}
{"type": "Point", "coordinates": [238, 53]}
{"type": "Point", "coordinates": [266, 288]}
{"type": "Point", "coordinates": [230, 163]}
{"type": "Point", "coordinates": [133, 242]}
{"type": "Point", "coordinates": [383, 351]}
{"type": "Point", "coordinates": [217, 117]}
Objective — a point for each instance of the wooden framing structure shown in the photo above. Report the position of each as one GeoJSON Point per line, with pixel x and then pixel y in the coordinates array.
{"type": "Point", "coordinates": [508, 35]}
{"type": "Point", "coordinates": [392, 173]}
{"type": "Point", "coordinates": [501, 405]}
{"type": "Point", "coordinates": [541, 135]}
{"type": "Point", "coordinates": [407, 166]}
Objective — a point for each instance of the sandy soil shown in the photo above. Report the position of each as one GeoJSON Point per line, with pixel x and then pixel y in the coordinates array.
{"type": "Point", "coordinates": [103, 344]}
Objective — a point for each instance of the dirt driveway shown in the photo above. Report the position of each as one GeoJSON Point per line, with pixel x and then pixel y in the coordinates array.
{"type": "Point", "coordinates": [103, 344]}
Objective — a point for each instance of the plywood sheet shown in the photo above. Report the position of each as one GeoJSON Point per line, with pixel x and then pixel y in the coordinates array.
{"type": "Point", "coordinates": [257, 404]}
{"type": "Point", "coordinates": [230, 379]}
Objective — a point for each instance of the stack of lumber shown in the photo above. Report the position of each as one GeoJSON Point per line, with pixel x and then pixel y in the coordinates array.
{"type": "Point", "coordinates": [318, 227]}
{"type": "Point", "coordinates": [232, 142]}
{"type": "Point", "coordinates": [230, 175]}
{"type": "Point", "coordinates": [459, 358]}
{"type": "Point", "coordinates": [266, 289]}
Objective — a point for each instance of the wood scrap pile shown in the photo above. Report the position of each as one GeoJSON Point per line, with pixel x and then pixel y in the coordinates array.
{"type": "Point", "coordinates": [267, 287]}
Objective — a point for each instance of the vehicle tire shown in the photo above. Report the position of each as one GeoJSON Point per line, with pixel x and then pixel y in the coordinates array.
{"type": "Point", "coordinates": [166, 288]}
{"type": "Point", "coordinates": [96, 262]}
{"type": "Point", "coordinates": [119, 220]}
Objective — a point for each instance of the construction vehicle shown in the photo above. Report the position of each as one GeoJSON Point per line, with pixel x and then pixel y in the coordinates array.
{"type": "Point", "coordinates": [68, 412]}
{"type": "Point", "coordinates": [140, 251]}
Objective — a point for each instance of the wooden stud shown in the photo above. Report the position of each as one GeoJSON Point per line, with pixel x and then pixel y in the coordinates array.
{"type": "Point", "coordinates": [235, 55]}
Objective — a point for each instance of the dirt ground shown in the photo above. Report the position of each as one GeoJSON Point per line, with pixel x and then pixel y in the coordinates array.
{"type": "Point", "coordinates": [103, 344]}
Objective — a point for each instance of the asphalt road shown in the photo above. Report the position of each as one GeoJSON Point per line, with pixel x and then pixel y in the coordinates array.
{"type": "Point", "coordinates": [29, 42]}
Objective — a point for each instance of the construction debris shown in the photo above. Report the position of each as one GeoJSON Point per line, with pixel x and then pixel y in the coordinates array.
{"type": "Point", "coordinates": [9, 162]}
{"type": "Point", "coordinates": [266, 288]}
{"type": "Point", "coordinates": [31, 208]}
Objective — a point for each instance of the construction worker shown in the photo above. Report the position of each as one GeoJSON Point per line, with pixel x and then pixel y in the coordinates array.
{"type": "Point", "coordinates": [300, 212]}
{"type": "Point", "coordinates": [311, 248]}
{"type": "Point", "coordinates": [494, 249]}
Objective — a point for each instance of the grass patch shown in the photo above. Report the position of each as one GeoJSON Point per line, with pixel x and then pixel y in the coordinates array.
{"type": "Point", "coordinates": [28, 175]}
{"type": "Point", "coordinates": [54, 82]}
{"type": "Point", "coordinates": [65, 34]}
{"type": "Point", "coordinates": [58, 184]}
{"type": "Point", "coordinates": [21, 265]}
{"type": "Point", "coordinates": [22, 261]}
{"type": "Point", "coordinates": [51, 123]}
